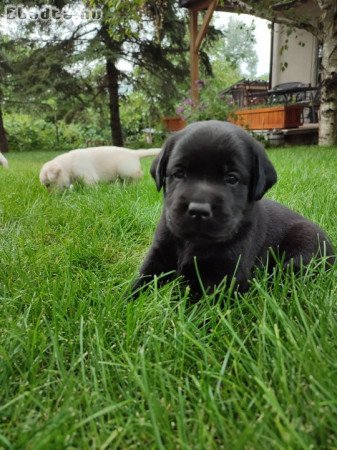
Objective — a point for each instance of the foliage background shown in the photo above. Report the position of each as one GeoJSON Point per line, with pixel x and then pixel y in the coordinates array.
{"type": "Point", "coordinates": [54, 84]}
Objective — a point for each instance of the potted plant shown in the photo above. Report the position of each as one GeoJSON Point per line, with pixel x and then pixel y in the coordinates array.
{"type": "Point", "coordinates": [174, 123]}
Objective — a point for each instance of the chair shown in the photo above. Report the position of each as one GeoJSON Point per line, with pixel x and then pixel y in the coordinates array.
{"type": "Point", "coordinates": [311, 104]}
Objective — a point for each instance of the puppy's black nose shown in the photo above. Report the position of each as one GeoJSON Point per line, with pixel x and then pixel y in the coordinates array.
{"type": "Point", "coordinates": [200, 210]}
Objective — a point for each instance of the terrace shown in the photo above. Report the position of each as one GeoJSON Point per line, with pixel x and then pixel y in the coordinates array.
{"type": "Point", "coordinates": [286, 105]}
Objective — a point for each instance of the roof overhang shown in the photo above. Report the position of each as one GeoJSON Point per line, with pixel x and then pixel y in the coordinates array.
{"type": "Point", "coordinates": [278, 12]}
{"type": "Point", "coordinates": [199, 5]}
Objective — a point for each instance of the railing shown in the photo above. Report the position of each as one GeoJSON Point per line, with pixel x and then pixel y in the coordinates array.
{"type": "Point", "coordinates": [306, 96]}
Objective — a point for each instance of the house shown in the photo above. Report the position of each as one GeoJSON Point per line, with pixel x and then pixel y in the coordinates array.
{"type": "Point", "coordinates": [295, 54]}
{"type": "Point", "coordinates": [295, 57]}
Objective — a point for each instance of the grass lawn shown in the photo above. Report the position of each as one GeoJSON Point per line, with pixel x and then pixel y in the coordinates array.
{"type": "Point", "coordinates": [82, 368]}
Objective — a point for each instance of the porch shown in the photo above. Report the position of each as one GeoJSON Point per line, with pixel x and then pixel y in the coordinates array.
{"type": "Point", "coordinates": [293, 84]}
{"type": "Point", "coordinates": [286, 114]}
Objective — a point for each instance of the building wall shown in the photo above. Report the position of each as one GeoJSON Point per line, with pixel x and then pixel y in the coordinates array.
{"type": "Point", "coordinates": [296, 63]}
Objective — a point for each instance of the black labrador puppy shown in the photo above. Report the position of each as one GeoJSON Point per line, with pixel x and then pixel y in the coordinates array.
{"type": "Point", "coordinates": [214, 223]}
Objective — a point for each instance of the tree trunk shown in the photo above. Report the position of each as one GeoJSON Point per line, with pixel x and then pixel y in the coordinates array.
{"type": "Point", "coordinates": [111, 55]}
{"type": "Point", "coordinates": [115, 121]}
{"type": "Point", "coordinates": [3, 137]}
{"type": "Point", "coordinates": [328, 110]}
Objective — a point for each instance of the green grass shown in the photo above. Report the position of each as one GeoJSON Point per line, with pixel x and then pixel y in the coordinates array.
{"type": "Point", "coordinates": [82, 368]}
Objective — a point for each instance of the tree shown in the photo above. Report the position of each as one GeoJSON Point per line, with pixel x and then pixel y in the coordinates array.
{"type": "Point", "coordinates": [237, 46]}
{"type": "Point", "coordinates": [36, 70]}
{"type": "Point", "coordinates": [55, 66]}
{"type": "Point", "coordinates": [327, 33]}
{"type": "Point", "coordinates": [324, 26]}
{"type": "Point", "coordinates": [9, 57]}
{"type": "Point", "coordinates": [151, 36]}
{"type": "Point", "coordinates": [3, 137]}
{"type": "Point", "coordinates": [5, 70]}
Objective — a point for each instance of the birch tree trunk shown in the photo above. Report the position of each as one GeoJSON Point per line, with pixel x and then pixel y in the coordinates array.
{"type": "Point", "coordinates": [328, 109]}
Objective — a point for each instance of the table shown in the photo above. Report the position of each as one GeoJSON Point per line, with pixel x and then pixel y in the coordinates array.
{"type": "Point", "coordinates": [307, 96]}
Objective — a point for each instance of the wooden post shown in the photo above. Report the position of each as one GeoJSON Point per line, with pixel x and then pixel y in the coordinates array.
{"type": "Point", "coordinates": [194, 55]}
{"type": "Point", "coordinates": [197, 37]}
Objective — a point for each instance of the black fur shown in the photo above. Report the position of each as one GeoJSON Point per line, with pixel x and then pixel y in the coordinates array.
{"type": "Point", "coordinates": [214, 175]}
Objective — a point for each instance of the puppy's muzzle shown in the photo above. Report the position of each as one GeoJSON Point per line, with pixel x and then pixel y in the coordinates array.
{"type": "Point", "coordinates": [199, 211]}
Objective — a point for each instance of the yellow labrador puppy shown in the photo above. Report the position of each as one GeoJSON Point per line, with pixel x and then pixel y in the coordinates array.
{"type": "Point", "coordinates": [92, 165]}
{"type": "Point", "coordinates": [3, 161]}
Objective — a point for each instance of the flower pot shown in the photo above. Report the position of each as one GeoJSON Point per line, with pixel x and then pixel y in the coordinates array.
{"type": "Point", "coordinates": [268, 118]}
{"type": "Point", "coordinates": [174, 123]}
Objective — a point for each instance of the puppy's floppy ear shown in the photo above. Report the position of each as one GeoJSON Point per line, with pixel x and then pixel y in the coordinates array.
{"type": "Point", "coordinates": [159, 164]}
{"type": "Point", "coordinates": [263, 174]}
{"type": "Point", "coordinates": [53, 172]}
{"type": "Point", "coordinates": [153, 167]}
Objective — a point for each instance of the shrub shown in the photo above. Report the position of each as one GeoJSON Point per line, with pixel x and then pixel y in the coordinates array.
{"type": "Point", "coordinates": [210, 106]}
{"type": "Point", "coordinates": [28, 133]}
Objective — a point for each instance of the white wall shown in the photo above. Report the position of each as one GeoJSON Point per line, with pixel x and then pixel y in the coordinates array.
{"type": "Point", "coordinates": [301, 60]}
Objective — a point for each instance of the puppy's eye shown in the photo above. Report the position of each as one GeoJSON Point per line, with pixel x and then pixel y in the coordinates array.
{"type": "Point", "coordinates": [230, 179]}
{"type": "Point", "coordinates": [179, 173]}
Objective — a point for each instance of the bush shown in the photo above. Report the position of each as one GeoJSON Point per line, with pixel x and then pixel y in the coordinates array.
{"type": "Point", "coordinates": [210, 106]}
{"type": "Point", "coordinates": [28, 133]}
